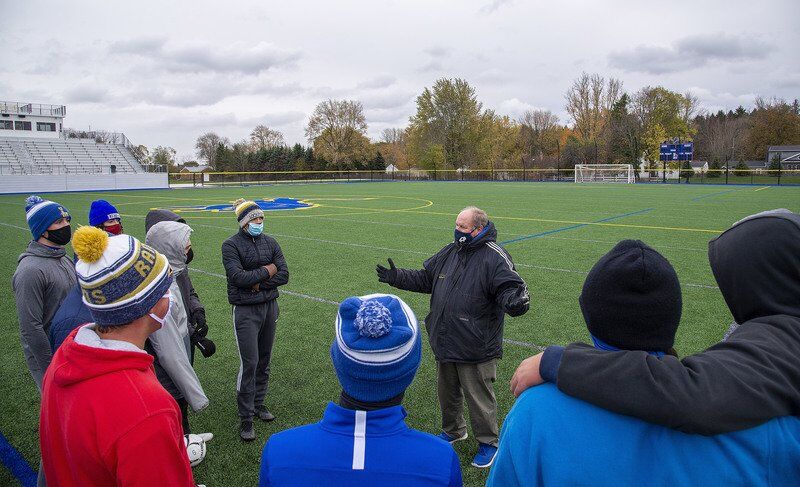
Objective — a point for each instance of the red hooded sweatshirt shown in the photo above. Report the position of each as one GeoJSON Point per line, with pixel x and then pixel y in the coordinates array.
{"type": "Point", "coordinates": [106, 420]}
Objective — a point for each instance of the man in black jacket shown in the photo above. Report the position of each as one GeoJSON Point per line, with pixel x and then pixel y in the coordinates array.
{"type": "Point", "coordinates": [472, 282]}
{"type": "Point", "coordinates": [748, 379]}
{"type": "Point", "coordinates": [255, 267]}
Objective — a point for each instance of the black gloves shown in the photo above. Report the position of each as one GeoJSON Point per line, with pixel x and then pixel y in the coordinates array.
{"type": "Point", "coordinates": [205, 345]}
{"type": "Point", "coordinates": [519, 302]}
{"type": "Point", "coordinates": [200, 326]}
{"type": "Point", "coordinates": [389, 276]}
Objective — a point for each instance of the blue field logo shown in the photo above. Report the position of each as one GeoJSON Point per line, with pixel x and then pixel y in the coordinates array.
{"type": "Point", "coordinates": [275, 204]}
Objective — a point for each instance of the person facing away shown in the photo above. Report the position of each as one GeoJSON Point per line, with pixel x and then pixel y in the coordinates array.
{"type": "Point", "coordinates": [472, 282]}
{"type": "Point", "coordinates": [631, 300]}
{"type": "Point", "coordinates": [742, 382]}
{"type": "Point", "coordinates": [170, 345]}
{"type": "Point", "coordinates": [72, 313]}
{"type": "Point", "coordinates": [364, 439]}
{"type": "Point", "coordinates": [195, 311]}
{"type": "Point", "coordinates": [105, 418]}
{"type": "Point", "coordinates": [43, 277]}
{"type": "Point", "coordinates": [255, 268]}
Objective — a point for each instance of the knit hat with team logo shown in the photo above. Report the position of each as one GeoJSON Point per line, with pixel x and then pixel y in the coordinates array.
{"type": "Point", "coordinates": [121, 278]}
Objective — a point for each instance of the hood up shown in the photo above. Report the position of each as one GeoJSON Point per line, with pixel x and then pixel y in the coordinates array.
{"type": "Point", "coordinates": [156, 216]}
{"type": "Point", "coordinates": [170, 238]}
{"type": "Point", "coordinates": [756, 263]}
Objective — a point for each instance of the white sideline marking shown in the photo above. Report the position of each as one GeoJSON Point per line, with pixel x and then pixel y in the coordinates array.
{"type": "Point", "coordinates": [15, 226]}
{"type": "Point", "coordinates": [336, 303]}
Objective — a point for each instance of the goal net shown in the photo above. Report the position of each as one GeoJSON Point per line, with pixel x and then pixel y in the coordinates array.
{"type": "Point", "coordinates": [604, 173]}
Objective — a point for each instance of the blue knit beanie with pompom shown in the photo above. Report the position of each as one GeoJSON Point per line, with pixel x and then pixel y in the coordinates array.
{"type": "Point", "coordinates": [377, 348]}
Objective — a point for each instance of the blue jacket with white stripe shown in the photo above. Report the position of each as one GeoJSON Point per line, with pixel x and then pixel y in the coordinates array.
{"type": "Point", "coordinates": [362, 448]}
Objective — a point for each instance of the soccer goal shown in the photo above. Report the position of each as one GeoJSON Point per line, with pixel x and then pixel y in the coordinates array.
{"type": "Point", "coordinates": [604, 173]}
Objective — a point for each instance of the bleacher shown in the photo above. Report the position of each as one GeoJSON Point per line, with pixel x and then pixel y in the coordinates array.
{"type": "Point", "coordinates": [64, 156]}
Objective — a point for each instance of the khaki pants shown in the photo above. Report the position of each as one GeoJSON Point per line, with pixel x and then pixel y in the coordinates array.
{"type": "Point", "coordinates": [476, 383]}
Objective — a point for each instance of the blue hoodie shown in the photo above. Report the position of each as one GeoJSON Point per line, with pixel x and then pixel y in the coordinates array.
{"type": "Point", "coordinates": [550, 438]}
{"type": "Point", "coordinates": [71, 314]}
{"type": "Point", "coordinates": [358, 448]}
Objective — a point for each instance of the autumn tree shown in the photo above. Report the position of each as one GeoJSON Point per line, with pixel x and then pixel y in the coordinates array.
{"type": "Point", "coordinates": [772, 122]}
{"type": "Point", "coordinates": [207, 147]}
{"type": "Point", "coordinates": [263, 137]}
{"type": "Point", "coordinates": [448, 116]}
{"type": "Point", "coordinates": [589, 102]}
{"type": "Point", "coordinates": [539, 134]}
{"type": "Point", "coordinates": [337, 129]}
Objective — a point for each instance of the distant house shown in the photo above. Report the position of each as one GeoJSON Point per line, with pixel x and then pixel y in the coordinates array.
{"type": "Point", "coordinates": [190, 172]}
{"type": "Point", "coordinates": [789, 155]}
{"type": "Point", "coordinates": [391, 168]}
{"type": "Point", "coordinates": [700, 166]}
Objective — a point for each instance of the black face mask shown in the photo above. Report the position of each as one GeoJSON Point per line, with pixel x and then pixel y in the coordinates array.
{"type": "Point", "coordinates": [60, 236]}
{"type": "Point", "coordinates": [189, 256]}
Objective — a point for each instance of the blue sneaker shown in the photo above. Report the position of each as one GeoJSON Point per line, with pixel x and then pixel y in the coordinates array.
{"type": "Point", "coordinates": [451, 439]}
{"type": "Point", "coordinates": [485, 456]}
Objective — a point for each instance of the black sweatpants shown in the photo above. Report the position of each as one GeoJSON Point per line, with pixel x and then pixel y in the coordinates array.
{"type": "Point", "coordinates": [254, 327]}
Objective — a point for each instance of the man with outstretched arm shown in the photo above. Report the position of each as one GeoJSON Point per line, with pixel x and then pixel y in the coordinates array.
{"type": "Point", "coordinates": [473, 283]}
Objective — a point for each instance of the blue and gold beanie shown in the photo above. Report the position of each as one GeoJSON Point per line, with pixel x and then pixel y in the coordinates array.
{"type": "Point", "coordinates": [41, 213]}
{"type": "Point", "coordinates": [377, 348]}
{"type": "Point", "coordinates": [121, 278]}
{"type": "Point", "coordinates": [246, 210]}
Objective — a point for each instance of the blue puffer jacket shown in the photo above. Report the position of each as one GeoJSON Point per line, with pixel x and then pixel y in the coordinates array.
{"type": "Point", "coordinates": [72, 314]}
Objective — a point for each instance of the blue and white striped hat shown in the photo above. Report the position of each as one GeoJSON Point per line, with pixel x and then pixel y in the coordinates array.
{"type": "Point", "coordinates": [377, 348]}
{"type": "Point", "coordinates": [41, 213]}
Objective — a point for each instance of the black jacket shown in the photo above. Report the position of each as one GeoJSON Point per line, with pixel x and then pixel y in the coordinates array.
{"type": "Point", "coordinates": [191, 301]}
{"type": "Point", "coordinates": [470, 287]}
{"type": "Point", "coordinates": [748, 379]}
{"type": "Point", "coordinates": [244, 258]}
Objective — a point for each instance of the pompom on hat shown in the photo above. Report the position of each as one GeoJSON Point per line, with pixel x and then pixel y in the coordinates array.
{"type": "Point", "coordinates": [41, 213]}
{"type": "Point", "coordinates": [377, 348]}
{"type": "Point", "coordinates": [121, 278]}
{"type": "Point", "coordinates": [246, 211]}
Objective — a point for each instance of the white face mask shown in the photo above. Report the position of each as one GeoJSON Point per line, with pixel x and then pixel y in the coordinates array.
{"type": "Point", "coordinates": [159, 319]}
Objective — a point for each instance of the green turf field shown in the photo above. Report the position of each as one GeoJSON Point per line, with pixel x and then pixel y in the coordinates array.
{"type": "Point", "coordinates": [555, 231]}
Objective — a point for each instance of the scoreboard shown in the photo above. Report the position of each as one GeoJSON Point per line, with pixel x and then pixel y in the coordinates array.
{"type": "Point", "coordinates": [677, 152]}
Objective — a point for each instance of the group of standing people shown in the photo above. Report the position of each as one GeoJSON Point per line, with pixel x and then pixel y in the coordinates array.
{"type": "Point", "coordinates": [124, 307]}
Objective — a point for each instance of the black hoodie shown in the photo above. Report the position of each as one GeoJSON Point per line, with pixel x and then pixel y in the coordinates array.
{"type": "Point", "coordinates": [748, 379]}
{"type": "Point", "coordinates": [470, 286]}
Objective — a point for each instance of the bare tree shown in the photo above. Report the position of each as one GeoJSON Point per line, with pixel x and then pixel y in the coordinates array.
{"type": "Point", "coordinates": [393, 135]}
{"type": "Point", "coordinates": [589, 101]}
{"type": "Point", "coordinates": [337, 129]}
{"type": "Point", "coordinates": [539, 133]}
{"type": "Point", "coordinates": [263, 137]}
{"type": "Point", "coordinates": [207, 144]}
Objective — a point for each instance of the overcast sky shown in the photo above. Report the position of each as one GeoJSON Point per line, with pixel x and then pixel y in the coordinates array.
{"type": "Point", "coordinates": [164, 72]}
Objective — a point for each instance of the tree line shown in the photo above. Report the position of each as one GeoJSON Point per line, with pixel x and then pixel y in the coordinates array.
{"type": "Point", "coordinates": [451, 129]}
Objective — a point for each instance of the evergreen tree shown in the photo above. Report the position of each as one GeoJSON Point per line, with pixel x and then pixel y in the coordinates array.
{"type": "Point", "coordinates": [378, 163]}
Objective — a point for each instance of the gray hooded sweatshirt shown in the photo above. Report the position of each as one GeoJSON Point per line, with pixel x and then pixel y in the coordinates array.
{"type": "Point", "coordinates": [171, 343]}
{"type": "Point", "coordinates": [43, 278]}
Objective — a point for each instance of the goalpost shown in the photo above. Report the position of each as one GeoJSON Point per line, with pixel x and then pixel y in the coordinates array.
{"type": "Point", "coordinates": [604, 173]}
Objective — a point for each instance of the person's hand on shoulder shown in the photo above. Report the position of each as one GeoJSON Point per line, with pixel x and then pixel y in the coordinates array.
{"type": "Point", "coordinates": [527, 375]}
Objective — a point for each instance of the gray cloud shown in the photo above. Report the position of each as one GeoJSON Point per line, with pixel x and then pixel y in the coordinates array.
{"type": "Point", "coordinates": [385, 100]}
{"type": "Point", "coordinates": [689, 53]}
{"type": "Point", "coordinates": [276, 119]}
{"type": "Point", "coordinates": [377, 82]}
{"type": "Point", "coordinates": [438, 51]}
{"type": "Point", "coordinates": [431, 66]}
{"type": "Point", "coordinates": [204, 57]}
{"type": "Point", "coordinates": [86, 94]}
{"type": "Point", "coordinates": [494, 6]}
